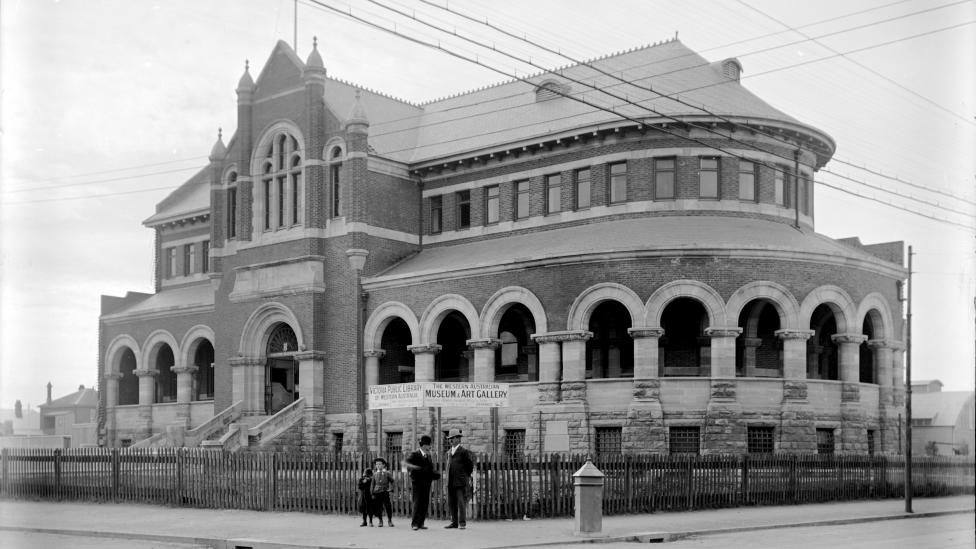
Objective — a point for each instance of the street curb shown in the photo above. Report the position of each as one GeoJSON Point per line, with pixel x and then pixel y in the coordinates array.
{"type": "Point", "coordinates": [643, 537]}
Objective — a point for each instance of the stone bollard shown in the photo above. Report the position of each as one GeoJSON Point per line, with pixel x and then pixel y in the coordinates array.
{"type": "Point", "coordinates": [588, 488]}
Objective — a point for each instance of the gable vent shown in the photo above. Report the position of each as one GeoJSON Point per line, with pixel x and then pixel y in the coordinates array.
{"type": "Point", "coordinates": [550, 89]}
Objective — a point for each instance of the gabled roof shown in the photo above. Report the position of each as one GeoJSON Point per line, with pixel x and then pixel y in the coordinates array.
{"type": "Point", "coordinates": [82, 398]}
{"type": "Point", "coordinates": [184, 299]}
{"type": "Point", "coordinates": [943, 407]}
{"type": "Point", "coordinates": [190, 199]}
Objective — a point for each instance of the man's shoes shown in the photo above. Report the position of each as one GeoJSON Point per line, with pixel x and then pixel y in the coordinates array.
{"type": "Point", "coordinates": [452, 525]}
{"type": "Point", "coordinates": [389, 523]}
{"type": "Point", "coordinates": [422, 527]}
{"type": "Point", "coordinates": [414, 527]}
{"type": "Point", "coordinates": [363, 524]}
{"type": "Point", "coordinates": [463, 526]}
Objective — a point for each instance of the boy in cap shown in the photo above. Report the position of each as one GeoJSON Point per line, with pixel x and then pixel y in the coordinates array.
{"type": "Point", "coordinates": [382, 482]}
{"type": "Point", "coordinates": [460, 467]}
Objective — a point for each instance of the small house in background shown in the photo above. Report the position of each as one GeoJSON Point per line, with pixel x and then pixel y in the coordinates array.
{"type": "Point", "coordinates": [28, 423]}
{"type": "Point", "coordinates": [943, 422]}
{"type": "Point", "coordinates": [73, 415]}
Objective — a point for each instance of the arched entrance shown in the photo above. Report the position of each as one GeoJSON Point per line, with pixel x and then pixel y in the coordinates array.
{"type": "Point", "coordinates": [203, 359]}
{"type": "Point", "coordinates": [129, 383]}
{"type": "Point", "coordinates": [684, 349]}
{"type": "Point", "coordinates": [512, 363]}
{"type": "Point", "coordinates": [822, 359]}
{"type": "Point", "coordinates": [758, 352]}
{"type": "Point", "coordinates": [452, 363]}
{"type": "Point", "coordinates": [281, 369]}
{"type": "Point", "coordinates": [866, 354]}
{"type": "Point", "coordinates": [397, 364]}
{"type": "Point", "coordinates": [610, 352]}
{"type": "Point", "coordinates": [165, 378]}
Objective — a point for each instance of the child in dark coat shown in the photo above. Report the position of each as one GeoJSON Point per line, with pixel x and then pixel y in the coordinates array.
{"type": "Point", "coordinates": [365, 486]}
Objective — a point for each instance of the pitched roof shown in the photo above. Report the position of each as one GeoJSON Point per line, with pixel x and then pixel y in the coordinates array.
{"type": "Point", "coordinates": [943, 408]}
{"type": "Point", "coordinates": [168, 301]}
{"type": "Point", "coordinates": [189, 199]}
{"type": "Point", "coordinates": [85, 398]}
{"type": "Point", "coordinates": [671, 234]}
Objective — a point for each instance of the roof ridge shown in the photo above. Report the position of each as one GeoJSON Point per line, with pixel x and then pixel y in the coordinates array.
{"type": "Point", "coordinates": [372, 91]}
{"type": "Point", "coordinates": [553, 70]}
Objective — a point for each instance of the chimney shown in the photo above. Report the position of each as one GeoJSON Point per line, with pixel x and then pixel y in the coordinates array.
{"type": "Point", "coordinates": [48, 392]}
{"type": "Point", "coordinates": [81, 387]}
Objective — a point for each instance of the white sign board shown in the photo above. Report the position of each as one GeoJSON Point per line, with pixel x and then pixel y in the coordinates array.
{"type": "Point", "coordinates": [438, 394]}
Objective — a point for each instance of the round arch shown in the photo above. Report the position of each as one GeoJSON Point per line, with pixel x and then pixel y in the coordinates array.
{"type": "Point", "coordinates": [875, 301]}
{"type": "Point", "coordinates": [331, 144]}
{"type": "Point", "coordinates": [382, 316]}
{"type": "Point", "coordinates": [439, 308]}
{"type": "Point", "coordinates": [838, 300]}
{"type": "Point", "coordinates": [270, 132]}
{"type": "Point", "coordinates": [699, 291]}
{"type": "Point", "coordinates": [494, 309]}
{"type": "Point", "coordinates": [587, 301]}
{"type": "Point", "coordinates": [192, 340]}
{"type": "Point", "coordinates": [254, 336]}
{"type": "Point", "coordinates": [786, 305]}
{"type": "Point", "coordinates": [113, 352]}
{"type": "Point", "coordinates": [151, 345]}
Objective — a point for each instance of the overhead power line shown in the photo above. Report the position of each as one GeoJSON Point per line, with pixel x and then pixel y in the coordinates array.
{"type": "Point", "coordinates": [110, 180]}
{"type": "Point", "coordinates": [113, 170]}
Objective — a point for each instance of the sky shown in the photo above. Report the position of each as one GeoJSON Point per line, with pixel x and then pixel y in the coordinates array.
{"type": "Point", "coordinates": [106, 106]}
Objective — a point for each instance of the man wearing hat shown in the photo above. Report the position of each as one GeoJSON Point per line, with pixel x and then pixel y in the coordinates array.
{"type": "Point", "coordinates": [422, 473]}
{"type": "Point", "coordinates": [459, 470]}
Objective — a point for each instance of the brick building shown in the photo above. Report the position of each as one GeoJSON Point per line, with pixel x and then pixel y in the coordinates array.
{"type": "Point", "coordinates": [643, 273]}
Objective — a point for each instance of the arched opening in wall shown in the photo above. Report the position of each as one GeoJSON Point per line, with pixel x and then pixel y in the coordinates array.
{"type": "Point", "coordinates": [822, 360]}
{"type": "Point", "coordinates": [684, 349]}
{"type": "Point", "coordinates": [452, 363]}
{"type": "Point", "coordinates": [396, 366]}
{"type": "Point", "coordinates": [512, 361]}
{"type": "Point", "coordinates": [758, 352]}
{"type": "Point", "coordinates": [281, 369]}
{"type": "Point", "coordinates": [203, 359]}
{"type": "Point", "coordinates": [166, 378]}
{"type": "Point", "coordinates": [866, 358]}
{"type": "Point", "coordinates": [610, 352]}
{"type": "Point", "coordinates": [129, 383]}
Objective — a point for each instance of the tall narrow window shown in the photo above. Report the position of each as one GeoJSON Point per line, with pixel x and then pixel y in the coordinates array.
{"type": "Point", "coordinates": [436, 214]}
{"type": "Point", "coordinates": [463, 199]}
{"type": "Point", "coordinates": [335, 173]}
{"type": "Point", "coordinates": [232, 207]}
{"type": "Point", "coordinates": [267, 203]}
{"type": "Point", "coordinates": [779, 186]}
{"type": "Point", "coordinates": [281, 202]}
{"type": "Point", "coordinates": [296, 191]}
{"type": "Point", "coordinates": [553, 193]}
{"type": "Point", "coordinates": [522, 199]}
{"type": "Point", "coordinates": [188, 257]}
{"type": "Point", "coordinates": [708, 177]}
{"type": "Point", "coordinates": [747, 180]}
{"type": "Point", "coordinates": [170, 262]}
{"type": "Point", "coordinates": [491, 204]}
{"type": "Point", "coordinates": [583, 188]}
{"type": "Point", "coordinates": [205, 256]}
{"type": "Point", "coordinates": [663, 178]}
{"type": "Point", "coordinates": [803, 195]}
{"type": "Point", "coordinates": [618, 182]}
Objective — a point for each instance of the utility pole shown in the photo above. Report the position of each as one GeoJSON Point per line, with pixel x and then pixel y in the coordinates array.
{"type": "Point", "coordinates": [908, 390]}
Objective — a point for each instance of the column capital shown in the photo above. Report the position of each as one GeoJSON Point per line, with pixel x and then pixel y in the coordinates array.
{"type": "Point", "coordinates": [723, 331]}
{"type": "Point", "coordinates": [112, 376]}
{"type": "Point", "coordinates": [145, 373]}
{"type": "Point", "coordinates": [374, 353]}
{"type": "Point", "coordinates": [559, 337]}
{"type": "Point", "coordinates": [245, 361]}
{"type": "Point", "coordinates": [849, 338]}
{"type": "Point", "coordinates": [310, 355]}
{"type": "Point", "coordinates": [431, 348]}
{"type": "Point", "coordinates": [794, 334]}
{"type": "Point", "coordinates": [485, 343]}
{"type": "Point", "coordinates": [885, 343]}
{"type": "Point", "coordinates": [649, 331]}
{"type": "Point", "coordinates": [184, 369]}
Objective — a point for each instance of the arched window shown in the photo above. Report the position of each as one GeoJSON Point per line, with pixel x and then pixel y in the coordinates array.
{"type": "Point", "coordinates": [281, 184]}
{"type": "Point", "coordinates": [203, 359]}
{"type": "Point", "coordinates": [129, 384]}
{"type": "Point", "coordinates": [335, 181]}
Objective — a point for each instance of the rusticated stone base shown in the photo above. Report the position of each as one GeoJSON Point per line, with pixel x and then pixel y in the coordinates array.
{"type": "Point", "coordinates": [548, 392]}
{"type": "Point", "coordinates": [572, 391]}
{"type": "Point", "coordinates": [853, 431]}
{"type": "Point", "coordinates": [725, 430]}
{"type": "Point", "coordinates": [644, 430]}
{"type": "Point", "coordinates": [647, 389]}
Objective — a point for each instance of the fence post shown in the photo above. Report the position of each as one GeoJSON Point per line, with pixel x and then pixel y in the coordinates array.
{"type": "Point", "coordinates": [745, 479]}
{"type": "Point", "coordinates": [115, 474]}
{"type": "Point", "coordinates": [794, 482]}
{"type": "Point", "coordinates": [57, 472]}
{"type": "Point", "coordinates": [178, 496]}
{"type": "Point", "coordinates": [272, 490]}
{"type": "Point", "coordinates": [5, 466]}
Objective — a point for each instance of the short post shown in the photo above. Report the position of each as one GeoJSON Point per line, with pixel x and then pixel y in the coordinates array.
{"type": "Point", "coordinates": [588, 488]}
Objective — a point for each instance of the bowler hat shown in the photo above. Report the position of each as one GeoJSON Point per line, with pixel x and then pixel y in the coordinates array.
{"type": "Point", "coordinates": [454, 433]}
{"type": "Point", "coordinates": [425, 440]}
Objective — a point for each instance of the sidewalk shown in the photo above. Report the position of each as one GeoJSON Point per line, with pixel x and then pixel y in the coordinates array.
{"type": "Point", "coordinates": [229, 529]}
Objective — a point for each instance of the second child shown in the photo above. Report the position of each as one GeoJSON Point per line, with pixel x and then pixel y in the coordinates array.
{"type": "Point", "coordinates": [365, 486]}
{"type": "Point", "coordinates": [382, 482]}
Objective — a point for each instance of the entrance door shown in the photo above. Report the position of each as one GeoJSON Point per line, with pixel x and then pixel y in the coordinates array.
{"type": "Point", "coordinates": [280, 385]}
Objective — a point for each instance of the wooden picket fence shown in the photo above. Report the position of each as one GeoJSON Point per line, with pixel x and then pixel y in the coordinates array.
{"type": "Point", "coordinates": [504, 488]}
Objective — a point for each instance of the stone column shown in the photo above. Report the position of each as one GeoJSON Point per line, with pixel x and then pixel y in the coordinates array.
{"type": "Point", "coordinates": [723, 350]}
{"type": "Point", "coordinates": [646, 351]}
{"type": "Point", "coordinates": [532, 356]}
{"type": "Point", "coordinates": [887, 441]}
{"type": "Point", "coordinates": [147, 386]}
{"type": "Point", "coordinates": [848, 356]}
{"type": "Point", "coordinates": [111, 401]}
{"type": "Point", "coordinates": [484, 358]}
{"type": "Point", "coordinates": [794, 352]}
{"type": "Point", "coordinates": [184, 383]}
{"type": "Point", "coordinates": [424, 361]}
{"type": "Point", "coordinates": [373, 357]}
{"type": "Point", "coordinates": [311, 378]}
{"type": "Point", "coordinates": [749, 346]}
{"type": "Point", "coordinates": [247, 377]}
{"type": "Point", "coordinates": [573, 386]}
{"type": "Point", "coordinates": [550, 366]}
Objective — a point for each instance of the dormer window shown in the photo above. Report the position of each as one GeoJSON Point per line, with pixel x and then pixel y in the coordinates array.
{"type": "Point", "coordinates": [281, 184]}
{"type": "Point", "coordinates": [731, 68]}
{"type": "Point", "coordinates": [550, 89]}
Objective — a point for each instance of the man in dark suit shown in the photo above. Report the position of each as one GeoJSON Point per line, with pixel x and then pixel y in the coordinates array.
{"type": "Point", "coordinates": [422, 473]}
{"type": "Point", "coordinates": [460, 467]}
